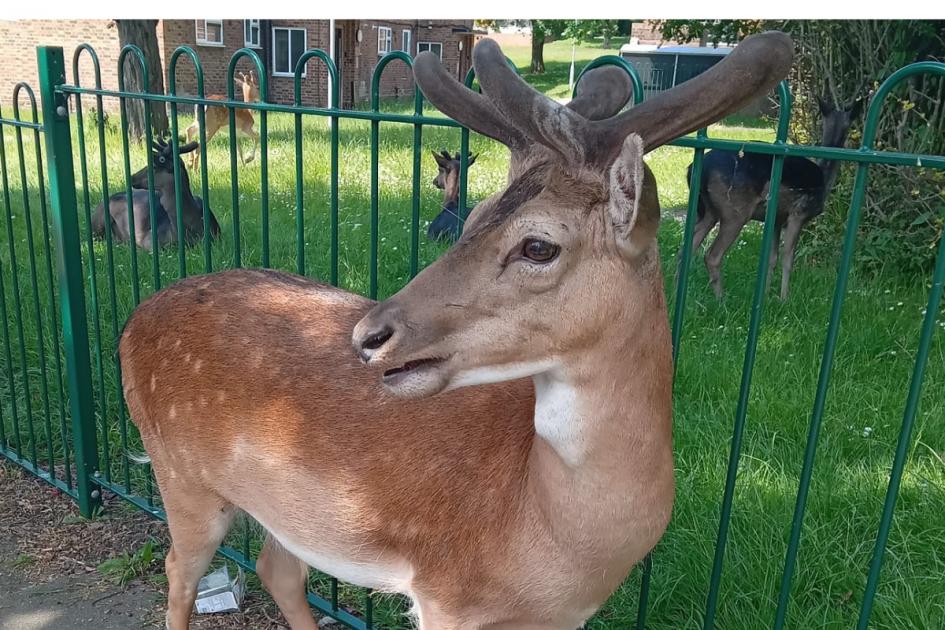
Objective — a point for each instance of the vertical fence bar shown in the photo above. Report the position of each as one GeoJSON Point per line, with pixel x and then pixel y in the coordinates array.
{"type": "Point", "coordinates": [18, 312]}
{"type": "Point", "coordinates": [69, 259]}
{"type": "Point", "coordinates": [754, 329]}
{"type": "Point", "coordinates": [685, 255]}
{"type": "Point", "coordinates": [415, 208]}
{"type": "Point", "coordinates": [905, 435]}
{"type": "Point", "coordinates": [375, 220]}
{"type": "Point", "coordinates": [8, 364]}
{"type": "Point", "coordinates": [34, 282]}
{"type": "Point", "coordinates": [333, 192]}
{"type": "Point", "coordinates": [375, 147]}
{"type": "Point", "coordinates": [90, 248]}
{"type": "Point", "coordinates": [299, 183]}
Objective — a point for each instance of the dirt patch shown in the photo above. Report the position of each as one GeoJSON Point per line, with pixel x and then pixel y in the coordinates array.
{"type": "Point", "coordinates": [49, 559]}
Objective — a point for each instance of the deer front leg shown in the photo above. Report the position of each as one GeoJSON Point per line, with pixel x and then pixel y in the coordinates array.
{"type": "Point", "coordinates": [773, 256]}
{"type": "Point", "coordinates": [728, 232]}
{"type": "Point", "coordinates": [284, 576]}
{"type": "Point", "coordinates": [249, 131]}
{"type": "Point", "coordinates": [791, 236]}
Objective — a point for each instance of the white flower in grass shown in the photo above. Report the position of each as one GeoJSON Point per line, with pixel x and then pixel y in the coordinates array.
{"type": "Point", "coordinates": [867, 431]}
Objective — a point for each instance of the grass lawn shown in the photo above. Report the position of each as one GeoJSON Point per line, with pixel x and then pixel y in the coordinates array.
{"type": "Point", "coordinates": [863, 413]}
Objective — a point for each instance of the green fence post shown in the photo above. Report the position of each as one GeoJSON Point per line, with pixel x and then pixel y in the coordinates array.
{"type": "Point", "coordinates": [62, 194]}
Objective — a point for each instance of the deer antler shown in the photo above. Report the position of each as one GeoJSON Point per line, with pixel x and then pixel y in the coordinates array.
{"type": "Point", "coordinates": [601, 93]}
{"type": "Point", "coordinates": [517, 115]}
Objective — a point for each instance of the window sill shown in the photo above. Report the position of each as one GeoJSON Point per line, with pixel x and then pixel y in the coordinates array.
{"type": "Point", "coordinates": [253, 46]}
{"type": "Point", "coordinates": [210, 44]}
{"type": "Point", "coordinates": [287, 75]}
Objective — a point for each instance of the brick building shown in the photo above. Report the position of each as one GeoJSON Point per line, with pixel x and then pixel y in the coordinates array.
{"type": "Point", "coordinates": [357, 46]}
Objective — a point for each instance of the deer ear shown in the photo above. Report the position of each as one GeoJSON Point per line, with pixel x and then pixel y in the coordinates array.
{"type": "Point", "coordinates": [471, 160]}
{"type": "Point", "coordinates": [626, 189]}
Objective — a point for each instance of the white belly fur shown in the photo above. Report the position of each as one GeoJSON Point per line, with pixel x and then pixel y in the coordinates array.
{"type": "Point", "coordinates": [386, 574]}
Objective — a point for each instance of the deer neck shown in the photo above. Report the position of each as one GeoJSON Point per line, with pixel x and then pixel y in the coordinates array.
{"type": "Point", "coordinates": [603, 448]}
{"type": "Point", "coordinates": [169, 202]}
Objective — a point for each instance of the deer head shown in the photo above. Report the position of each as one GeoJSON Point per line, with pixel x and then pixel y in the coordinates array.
{"type": "Point", "coordinates": [249, 84]}
{"type": "Point", "coordinates": [837, 120]}
{"type": "Point", "coordinates": [564, 259]}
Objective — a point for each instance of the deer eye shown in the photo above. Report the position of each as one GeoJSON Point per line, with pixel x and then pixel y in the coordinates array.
{"type": "Point", "coordinates": [539, 251]}
{"type": "Point", "coordinates": [162, 160]}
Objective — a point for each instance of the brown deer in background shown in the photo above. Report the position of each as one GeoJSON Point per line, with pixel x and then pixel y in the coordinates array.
{"type": "Point", "coordinates": [734, 191]}
{"type": "Point", "coordinates": [494, 441]}
{"type": "Point", "coordinates": [218, 117]}
{"type": "Point", "coordinates": [449, 223]}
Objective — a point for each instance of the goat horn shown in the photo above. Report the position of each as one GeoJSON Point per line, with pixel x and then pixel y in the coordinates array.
{"type": "Point", "coordinates": [753, 68]}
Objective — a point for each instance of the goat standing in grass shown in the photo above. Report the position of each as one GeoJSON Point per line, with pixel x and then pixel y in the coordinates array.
{"type": "Point", "coordinates": [734, 191]}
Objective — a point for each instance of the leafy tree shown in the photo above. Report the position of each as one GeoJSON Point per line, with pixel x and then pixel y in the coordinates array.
{"type": "Point", "coordinates": [544, 31]}
{"type": "Point", "coordinates": [583, 30]}
{"type": "Point", "coordinates": [708, 31]}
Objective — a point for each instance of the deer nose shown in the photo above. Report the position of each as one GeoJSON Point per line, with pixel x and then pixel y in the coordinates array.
{"type": "Point", "coordinates": [367, 344]}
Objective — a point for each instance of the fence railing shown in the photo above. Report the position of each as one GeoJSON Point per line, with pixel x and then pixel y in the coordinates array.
{"type": "Point", "coordinates": [62, 417]}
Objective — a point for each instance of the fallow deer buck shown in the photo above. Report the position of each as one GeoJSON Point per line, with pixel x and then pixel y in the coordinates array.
{"type": "Point", "coordinates": [734, 191]}
{"type": "Point", "coordinates": [165, 189]}
{"type": "Point", "coordinates": [218, 117]}
{"type": "Point", "coordinates": [448, 224]}
{"type": "Point", "coordinates": [494, 441]}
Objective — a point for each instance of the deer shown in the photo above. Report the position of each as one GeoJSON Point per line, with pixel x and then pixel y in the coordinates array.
{"type": "Point", "coordinates": [449, 223]}
{"type": "Point", "coordinates": [218, 117]}
{"type": "Point", "coordinates": [734, 191]}
{"type": "Point", "coordinates": [165, 189]}
{"type": "Point", "coordinates": [494, 440]}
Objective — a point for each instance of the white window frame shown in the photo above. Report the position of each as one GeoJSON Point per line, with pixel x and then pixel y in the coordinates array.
{"type": "Point", "coordinates": [252, 24]}
{"type": "Point", "coordinates": [204, 41]}
{"type": "Point", "coordinates": [406, 41]}
{"type": "Point", "coordinates": [429, 45]}
{"type": "Point", "coordinates": [385, 34]}
{"type": "Point", "coordinates": [288, 30]}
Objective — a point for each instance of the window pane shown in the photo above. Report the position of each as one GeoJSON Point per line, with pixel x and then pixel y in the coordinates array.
{"type": "Point", "coordinates": [247, 31]}
{"type": "Point", "coordinates": [298, 46]}
{"type": "Point", "coordinates": [214, 32]}
{"type": "Point", "coordinates": [281, 37]}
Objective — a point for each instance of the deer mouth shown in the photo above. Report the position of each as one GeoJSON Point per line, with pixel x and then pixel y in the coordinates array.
{"type": "Point", "coordinates": [396, 376]}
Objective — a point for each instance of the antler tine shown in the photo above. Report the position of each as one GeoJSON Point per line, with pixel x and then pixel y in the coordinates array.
{"type": "Point", "coordinates": [464, 105]}
{"type": "Point", "coordinates": [602, 93]}
{"type": "Point", "coordinates": [543, 120]}
{"type": "Point", "coordinates": [756, 66]}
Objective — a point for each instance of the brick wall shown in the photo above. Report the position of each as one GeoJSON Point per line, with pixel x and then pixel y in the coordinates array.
{"type": "Point", "coordinates": [360, 59]}
{"type": "Point", "coordinates": [18, 42]}
{"type": "Point", "coordinates": [216, 58]}
{"type": "Point", "coordinates": [19, 39]}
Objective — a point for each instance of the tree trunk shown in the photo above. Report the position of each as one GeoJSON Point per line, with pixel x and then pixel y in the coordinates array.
{"type": "Point", "coordinates": [143, 34]}
{"type": "Point", "coordinates": [538, 51]}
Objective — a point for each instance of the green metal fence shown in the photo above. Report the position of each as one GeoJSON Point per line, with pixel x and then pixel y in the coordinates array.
{"type": "Point", "coordinates": [62, 416]}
